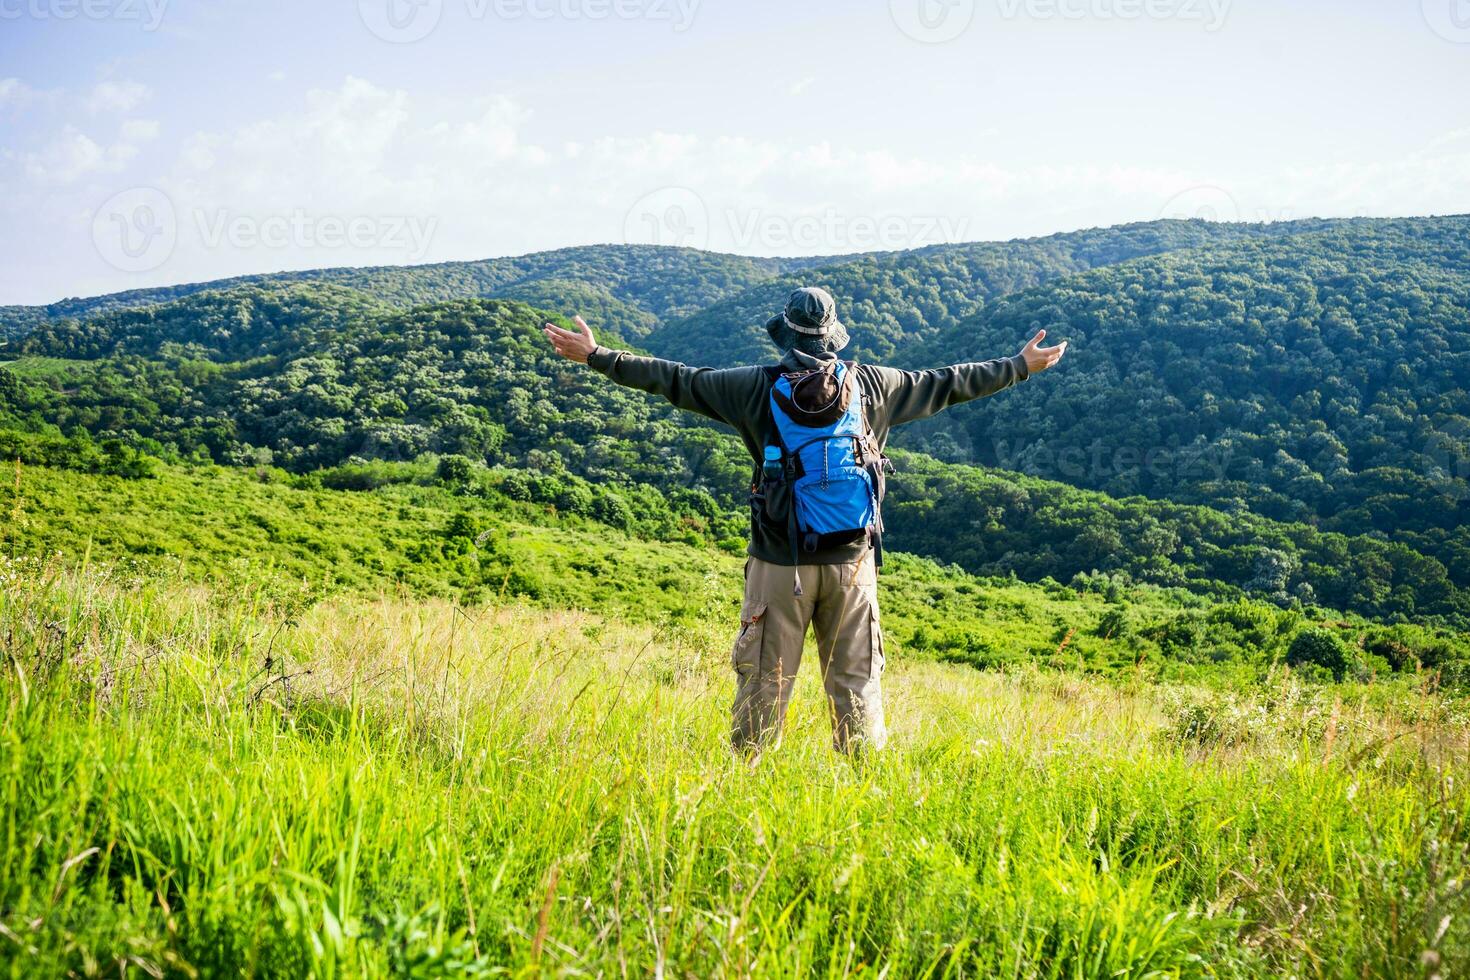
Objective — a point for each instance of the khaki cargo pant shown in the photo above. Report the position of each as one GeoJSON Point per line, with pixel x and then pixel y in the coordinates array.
{"type": "Point", "coordinates": [841, 603]}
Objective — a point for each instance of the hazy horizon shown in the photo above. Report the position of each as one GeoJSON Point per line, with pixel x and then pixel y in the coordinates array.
{"type": "Point", "coordinates": [756, 255]}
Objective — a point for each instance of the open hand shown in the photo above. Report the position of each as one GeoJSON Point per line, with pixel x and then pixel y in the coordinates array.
{"type": "Point", "coordinates": [1040, 358]}
{"type": "Point", "coordinates": [572, 344]}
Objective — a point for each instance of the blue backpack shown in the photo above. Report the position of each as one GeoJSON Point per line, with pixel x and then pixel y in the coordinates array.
{"type": "Point", "coordinates": [823, 466]}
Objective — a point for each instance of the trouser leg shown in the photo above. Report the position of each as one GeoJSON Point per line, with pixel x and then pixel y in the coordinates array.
{"type": "Point", "coordinates": [850, 645]}
{"type": "Point", "coordinates": [773, 625]}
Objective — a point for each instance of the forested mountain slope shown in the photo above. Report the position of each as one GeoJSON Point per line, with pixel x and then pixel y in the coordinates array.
{"type": "Point", "coordinates": [631, 286]}
{"type": "Point", "coordinates": [311, 377]}
{"type": "Point", "coordinates": [892, 303]}
{"type": "Point", "coordinates": [633, 289]}
{"type": "Point", "coordinates": [1321, 378]}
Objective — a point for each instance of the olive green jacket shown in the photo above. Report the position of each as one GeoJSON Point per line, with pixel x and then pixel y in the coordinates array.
{"type": "Point", "coordinates": [740, 398]}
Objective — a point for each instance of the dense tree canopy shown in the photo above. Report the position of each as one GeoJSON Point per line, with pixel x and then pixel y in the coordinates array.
{"type": "Point", "coordinates": [891, 303]}
{"type": "Point", "coordinates": [1322, 379]}
{"type": "Point", "coordinates": [325, 380]}
{"type": "Point", "coordinates": [643, 284]}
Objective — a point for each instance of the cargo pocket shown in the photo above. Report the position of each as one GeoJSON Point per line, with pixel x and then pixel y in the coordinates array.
{"type": "Point", "coordinates": [863, 574]}
{"type": "Point", "coordinates": [746, 657]}
{"type": "Point", "coordinates": [876, 639]}
{"type": "Point", "coordinates": [864, 578]}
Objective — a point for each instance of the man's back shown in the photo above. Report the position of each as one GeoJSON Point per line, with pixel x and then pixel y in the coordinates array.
{"type": "Point", "coordinates": [829, 588]}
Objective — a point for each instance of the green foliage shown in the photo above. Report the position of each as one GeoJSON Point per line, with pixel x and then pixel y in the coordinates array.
{"type": "Point", "coordinates": [1318, 379]}
{"type": "Point", "coordinates": [78, 452]}
{"type": "Point", "coordinates": [638, 282]}
{"type": "Point", "coordinates": [1322, 649]}
{"type": "Point", "coordinates": [892, 303]}
{"type": "Point", "coordinates": [231, 781]}
{"type": "Point", "coordinates": [455, 469]}
{"type": "Point", "coordinates": [1273, 367]}
{"type": "Point", "coordinates": [356, 400]}
{"type": "Point", "coordinates": [477, 542]}
{"type": "Point", "coordinates": [994, 523]}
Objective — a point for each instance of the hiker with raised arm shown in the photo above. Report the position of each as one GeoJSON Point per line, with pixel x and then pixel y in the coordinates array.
{"type": "Point", "coordinates": [816, 428]}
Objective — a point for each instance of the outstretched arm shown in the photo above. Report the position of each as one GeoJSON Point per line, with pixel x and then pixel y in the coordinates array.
{"type": "Point", "coordinates": [723, 395]}
{"type": "Point", "coordinates": [911, 395]}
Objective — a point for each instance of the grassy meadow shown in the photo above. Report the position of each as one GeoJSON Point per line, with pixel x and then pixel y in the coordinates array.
{"type": "Point", "coordinates": [206, 782]}
{"type": "Point", "coordinates": [252, 730]}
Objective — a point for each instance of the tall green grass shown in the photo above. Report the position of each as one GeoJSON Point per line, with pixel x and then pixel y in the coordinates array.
{"type": "Point", "coordinates": [228, 526]}
{"type": "Point", "coordinates": [234, 782]}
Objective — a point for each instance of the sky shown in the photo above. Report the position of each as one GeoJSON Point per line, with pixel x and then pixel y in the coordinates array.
{"type": "Point", "coordinates": [153, 142]}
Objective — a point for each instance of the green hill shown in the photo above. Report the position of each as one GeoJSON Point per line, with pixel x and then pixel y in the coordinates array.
{"type": "Point", "coordinates": [1320, 378]}
{"type": "Point", "coordinates": [1309, 389]}
{"type": "Point", "coordinates": [633, 289]}
{"type": "Point", "coordinates": [892, 303]}
{"type": "Point", "coordinates": [313, 378]}
{"type": "Point", "coordinates": [641, 284]}
{"type": "Point", "coordinates": [477, 540]}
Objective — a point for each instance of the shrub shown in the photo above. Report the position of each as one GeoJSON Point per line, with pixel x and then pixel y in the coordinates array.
{"type": "Point", "coordinates": [1394, 649]}
{"type": "Point", "coordinates": [516, 486]}
{"type": "Point", "coordinates": [454, 468]}
{"type": "Point", "coordinates": [368, 475]}
{"type": "Point", "coordinates": [574, 498]}
{"type": "Point", "coordinates": [1179, 638]}
{"type": "Point", "coordinates": [611, 509]}
{"type": "Point", "coordinates": [1321, 648]}
{"type": "Point", "coordinates": [1113, 623]}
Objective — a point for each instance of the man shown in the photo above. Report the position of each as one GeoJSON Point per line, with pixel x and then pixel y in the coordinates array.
{"type": "Point", "coordinates": [834, 589]}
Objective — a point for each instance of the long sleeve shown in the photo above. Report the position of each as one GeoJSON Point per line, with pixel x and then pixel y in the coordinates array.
{"type": "Point", "coordinates": [728, 395]}
{"type": "Point", "coordinates": [906, 396]}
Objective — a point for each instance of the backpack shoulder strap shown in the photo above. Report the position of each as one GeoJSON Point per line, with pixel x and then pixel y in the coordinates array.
{"type": "Point", "coordinates": [773, 374]}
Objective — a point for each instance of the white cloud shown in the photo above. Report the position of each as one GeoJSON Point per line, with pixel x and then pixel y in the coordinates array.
{"type": "Point", "coordinates": [477, 183]}
{"type": "Point", "coordinates": [139, 130]}
{"type": "Point", "coordinates": [70, 155]}
{"type": "Point", "coordinates": [338, 146]}
{"type": "Point", "coordinates": [15, 93]}
{"type": "Point", "coordinates": [117, 96]}
{"type": "Point", "coordinates": [362, 149]}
